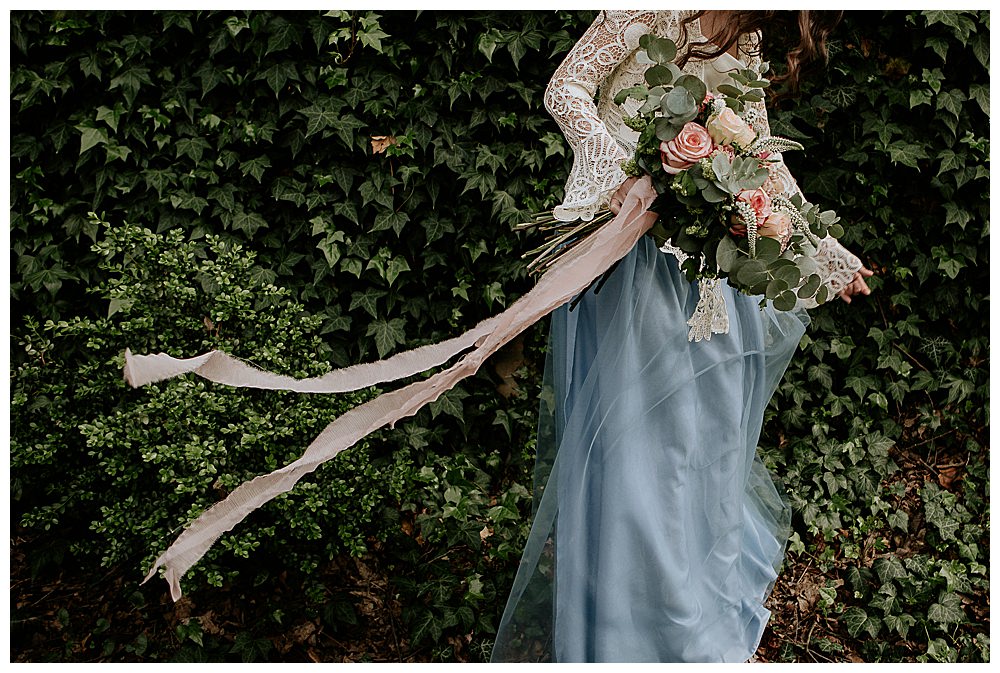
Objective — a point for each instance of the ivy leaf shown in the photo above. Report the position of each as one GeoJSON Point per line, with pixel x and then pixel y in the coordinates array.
{"type": "Point", "coordinates": [345, 128]}
{"type": "Point", "coordinates": [368, 300]}
{"type": "Point", "coordinates": [344, 176]}
{"type": "Point", "coordinates": [950, 161]}
{"type": "Point", "coordinates": [91, 67]}
{"type": "Point", "coordinates": [981, 48]}
{"type": "Point", "coordinates": [426, 626]}
{"type": "Point", "coordinates": [372, 192]}
{"type": "Point", "coordinates": [899, 520]}
{"type": "Point", "coordinates": [109, 116]}
{"type": "Point", "coordinates": [948, 609]}
{"type": "Point", "coordinates": [318, 117]}
{"type": "Point", "coordinates": [396, 266]}
{"type": "Point", "coordinates": [920, 97]}
{"type": "Point", "coordinates": [981, 94]}
{"type": "Point", "coordinates": [192, 147]}
{"type": "Point", "coordinates": [89, 137]}
{"type": "Point", "coordinates": [236, 24]}
{"type": "Point", "coordinates": [159, 179]}
{"type": "Point", "coordinates": [248, 221]}
{"type": "Point", "coordinates": [331, 251]}
{"type": "Point", "coordinates": [951, 101]}
{"type": "Point", "coordinates": [255, 167]}
{"type": "Point", "coordinates": [901, 152]}
{"type": "Point", "coordinates": [955, 214]}
{"type": "Point", "coordinates": [392, 219]}
{"type": "Point", "coordinates": [187, 200]}
{"type": "Point", "coordinates": [435, 227]}
{"type": "Point", "coordinates": [889, 568]}
{"type": "Point", "coordinates": [130, 80]}
{"type": "Point", "coordinates": [224, 195]}
{"type": "Point", "coordinates": [857, 620]}
{"type": "Point", "coordinates": [899, 623]}
{"type": "Point", "coordinates": [450, 403]}
{"type": "Point", "coordinates": [283, 35]}
{"type": "Point", "coordinates": [346, 209]}
{"type": "Point", "coordinates": [278, 74]}
{"type": "Point", "coordinates": [115, 151]}
{"type": "Point", "coordinates": [372, 38]}
{"type": "Point", "coordinates": [387, 333]}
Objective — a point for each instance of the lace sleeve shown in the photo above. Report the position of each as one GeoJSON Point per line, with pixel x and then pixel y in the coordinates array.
{"type": "Point", "coordinates": [569, 98]}
{"type": "Point", "coordinates": [837, 264]}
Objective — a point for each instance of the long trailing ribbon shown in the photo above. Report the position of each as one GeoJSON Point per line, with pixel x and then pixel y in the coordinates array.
{"type": "Point", "coordinates": [569, 276]}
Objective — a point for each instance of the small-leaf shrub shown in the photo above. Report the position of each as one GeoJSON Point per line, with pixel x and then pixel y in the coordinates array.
{"type": "Point", "coordinates": [137, 464]}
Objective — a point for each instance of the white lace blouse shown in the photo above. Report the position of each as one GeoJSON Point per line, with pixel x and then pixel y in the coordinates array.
{"type": "Point", "coordinates": [580, 96]}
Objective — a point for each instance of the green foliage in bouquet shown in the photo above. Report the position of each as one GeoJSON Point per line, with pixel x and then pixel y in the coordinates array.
{"type": "Point", "coordinates": [709, 190]}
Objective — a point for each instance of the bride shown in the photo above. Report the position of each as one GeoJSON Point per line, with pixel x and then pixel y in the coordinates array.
{"type": "Point", "coordinates": [657, 533]}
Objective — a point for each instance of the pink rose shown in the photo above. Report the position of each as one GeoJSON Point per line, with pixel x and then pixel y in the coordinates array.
{"type": "Point", "coordinates": [692, 144]}
{"type": "Point", "coordinates": [727, 127]}
{"type": "Point", "coordinates": [777, 225]}
{"type": "Point", "coordinates": [759, 201]}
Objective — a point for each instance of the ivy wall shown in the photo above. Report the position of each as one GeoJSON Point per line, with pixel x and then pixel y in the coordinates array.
{"type": "Point", "coordinates": [308, 190]}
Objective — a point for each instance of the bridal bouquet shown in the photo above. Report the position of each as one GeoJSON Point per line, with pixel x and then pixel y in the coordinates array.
{"type": "Point", "coordinates": [720, 200]}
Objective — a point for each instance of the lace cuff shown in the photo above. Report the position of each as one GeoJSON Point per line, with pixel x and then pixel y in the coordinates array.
{"type": "Point", "coordinates": [837, 266]}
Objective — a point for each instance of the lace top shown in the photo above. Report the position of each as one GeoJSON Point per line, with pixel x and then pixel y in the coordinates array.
{"type": "Point", "coordinates": [603, 62]}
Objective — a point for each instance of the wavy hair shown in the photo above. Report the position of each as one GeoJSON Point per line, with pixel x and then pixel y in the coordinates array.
{"type": "Point", "coordinates": [813, 27]}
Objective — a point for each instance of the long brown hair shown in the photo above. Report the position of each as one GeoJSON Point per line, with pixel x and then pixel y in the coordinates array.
{"type": "Point", "coordinates": [813, 29]}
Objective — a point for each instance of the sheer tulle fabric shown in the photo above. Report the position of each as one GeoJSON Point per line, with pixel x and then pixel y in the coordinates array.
{"type": "Point", "coordinates": [657, 533]}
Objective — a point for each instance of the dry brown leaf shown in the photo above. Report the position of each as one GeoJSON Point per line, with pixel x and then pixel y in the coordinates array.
{"type": "Point", "coordinates": [381, 143]}
{"type": "Point", "coordinates": [208, 624]}
{"type": "Point", "coordinates": [949, 475]}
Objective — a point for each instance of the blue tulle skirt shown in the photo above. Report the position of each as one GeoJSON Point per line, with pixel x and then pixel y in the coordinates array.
{"type": "Point", "coordinates": [657, 533]}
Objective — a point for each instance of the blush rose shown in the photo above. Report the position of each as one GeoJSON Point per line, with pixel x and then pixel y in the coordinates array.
{"type": "Point", "coordinates": [759, 201]}
{"type": "Point", "coordinates": [777, 225]}
{"type": "Point", "coordinates": [691, 145]}
{"type": "Point", "coordinates": [727, 127]}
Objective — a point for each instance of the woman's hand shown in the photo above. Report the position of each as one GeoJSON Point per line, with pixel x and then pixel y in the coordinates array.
{"type": "Point", "coordinates": [618, 198]}
{"type": "Point", "coordinates": [857, 285]}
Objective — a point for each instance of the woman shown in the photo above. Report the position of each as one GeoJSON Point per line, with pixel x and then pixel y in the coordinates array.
{"type": "Point", "coordinates": [657, 534]}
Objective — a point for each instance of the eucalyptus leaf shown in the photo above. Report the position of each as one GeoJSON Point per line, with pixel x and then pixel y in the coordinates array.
{"type": "Point", "coordinates": [721, 165]}
{"type": "Point", "coordinates": [665, 130]}
{"type": "Point", "coordinates": [639, 92]}
{"type": "Point", "coordinates": [806, 264]}
{"type": "Point", "coordinates": [809, 288]}
{"type": "Point", "coordinates": [661, 50]}
{"type": "Point", "coordinates": [775, 287]}
{"type": "Point", "coordinates": [679, 101]}
{"type": "Point", "coordinates": [729, 90]}
{"type": "Point", "coordinates": [751, 272]}
{"type": "Point", "coordinates": [785, 301]}
{"type": "Point", "coordinates": [789, 274]}
{"type": "Point", "coordinates": [711, 193]}
{"type": "Point", "coordinates": [768, 249]}
{"type": "Point", "coordinates": [658, 75]}
{"type": "Point", "coordinates": [694, 86]}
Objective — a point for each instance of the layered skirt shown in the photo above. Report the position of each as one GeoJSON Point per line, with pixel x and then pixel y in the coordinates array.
{"type": "Point", "coordinates": [657, 533]}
